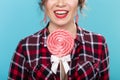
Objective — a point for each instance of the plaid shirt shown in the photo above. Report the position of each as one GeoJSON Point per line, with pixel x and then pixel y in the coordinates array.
{"type": "Point", "coordinates": [89, 58]}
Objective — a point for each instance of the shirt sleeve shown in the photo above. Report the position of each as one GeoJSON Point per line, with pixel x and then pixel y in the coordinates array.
{"type": "Point", "coordinates": [18, 71]}
{"type": "Point", "coordinates": [104, 64]}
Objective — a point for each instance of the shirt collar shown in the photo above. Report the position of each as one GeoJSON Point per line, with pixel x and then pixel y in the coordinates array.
{"type": "Point", "coordinates": [80, 35]}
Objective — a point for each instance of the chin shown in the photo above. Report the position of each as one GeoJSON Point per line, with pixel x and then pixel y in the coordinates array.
{"type": "Point", "coordinates": [61, 23]}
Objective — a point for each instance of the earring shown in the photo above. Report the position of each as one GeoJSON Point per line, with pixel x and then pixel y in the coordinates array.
{"type": "Point", "coordinates": [77, 18]}
{"type": "Point", "coordinates": [45, 18]}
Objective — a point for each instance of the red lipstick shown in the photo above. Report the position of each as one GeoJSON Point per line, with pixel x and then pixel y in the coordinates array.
{"type": "Point", "coordinates": [61, 13]}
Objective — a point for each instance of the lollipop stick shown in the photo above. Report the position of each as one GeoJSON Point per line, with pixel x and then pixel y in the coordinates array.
{"type": "Point", "coordinates": [63, 75]}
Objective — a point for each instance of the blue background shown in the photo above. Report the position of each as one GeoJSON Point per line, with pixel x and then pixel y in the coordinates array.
{"type": "Point", "coordinates": [20, 18]}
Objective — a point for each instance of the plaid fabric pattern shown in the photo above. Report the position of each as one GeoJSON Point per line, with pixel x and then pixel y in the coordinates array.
{"type": "Point", "coordinates": [89, 58]}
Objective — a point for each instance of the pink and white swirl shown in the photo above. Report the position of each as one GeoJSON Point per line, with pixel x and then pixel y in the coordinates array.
{"type": "Point", "coordinates": [60, 43]}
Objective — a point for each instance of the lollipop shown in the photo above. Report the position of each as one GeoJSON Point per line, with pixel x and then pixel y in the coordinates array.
{"type": "Point", "coordinates": [60, 43]}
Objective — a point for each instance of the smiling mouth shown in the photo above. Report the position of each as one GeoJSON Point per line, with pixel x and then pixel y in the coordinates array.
{"type": "Point", "coordinates": [61, 13]}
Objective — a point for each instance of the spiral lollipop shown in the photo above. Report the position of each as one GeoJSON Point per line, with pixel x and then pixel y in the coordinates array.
{"type": "Point", "coordinates": [60, 43]}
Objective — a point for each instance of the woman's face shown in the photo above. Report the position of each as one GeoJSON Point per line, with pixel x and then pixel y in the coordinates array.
{"type": "Point", "coordinates": [61, 12]}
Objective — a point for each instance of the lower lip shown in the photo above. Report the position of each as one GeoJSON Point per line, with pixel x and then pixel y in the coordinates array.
{"type": "Point", "coordinates": [61, 16]}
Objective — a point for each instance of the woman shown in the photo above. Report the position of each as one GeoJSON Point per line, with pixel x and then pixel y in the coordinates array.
{"type": "Point", "coordinates": [89, 58]}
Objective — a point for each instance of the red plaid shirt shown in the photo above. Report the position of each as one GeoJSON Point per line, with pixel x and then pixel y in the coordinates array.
{"type": "Point", "coordinates": [89, 58]}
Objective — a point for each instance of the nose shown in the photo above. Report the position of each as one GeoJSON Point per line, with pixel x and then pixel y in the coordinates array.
{"type": "Point", "coordinates": [61, 3]}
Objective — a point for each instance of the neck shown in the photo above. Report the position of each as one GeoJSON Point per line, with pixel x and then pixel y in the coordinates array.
{"type": "Point", "coordinates": [68, 27]}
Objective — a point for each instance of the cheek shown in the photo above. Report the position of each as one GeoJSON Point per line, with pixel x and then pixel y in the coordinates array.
{"type": "Point", "coordinates": [49, 6]}
{"type": "Point", "coordinates": [72, 2]}
{"type": "Point", "coordinates": [50, 3]}
{"type": "Point", "coordinates": [74, 10]}
{"type": "Point", "coordinates": [73, 5]}
{"type": "Point", "coordinates": [47, 10]}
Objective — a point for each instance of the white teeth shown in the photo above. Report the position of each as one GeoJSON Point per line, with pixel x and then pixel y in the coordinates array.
{"type": "Point", "coordinates": [60, 12]}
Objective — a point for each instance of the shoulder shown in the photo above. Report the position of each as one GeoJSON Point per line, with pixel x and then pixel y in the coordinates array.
{"type": "Point", "coordinates": [32, 39]}
{"type": "Point", "coordinates": [93, 37]}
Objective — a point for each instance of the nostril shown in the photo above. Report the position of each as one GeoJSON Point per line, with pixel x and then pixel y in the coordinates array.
{"type": "Point", "coordinates": [60, 3]}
